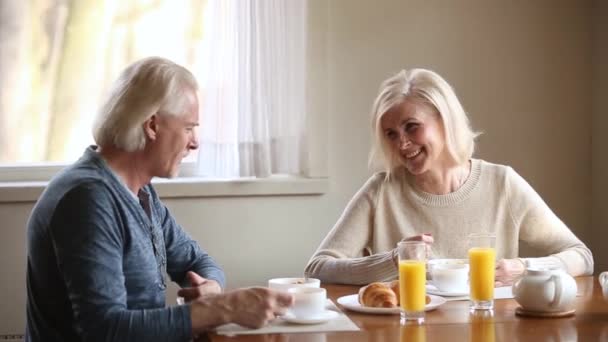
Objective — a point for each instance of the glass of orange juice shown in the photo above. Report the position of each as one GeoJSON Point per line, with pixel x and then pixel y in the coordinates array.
{"type": "Point", "coordinates": [482, 263]}
{"type": "Point", "coordinates": [412, 279]}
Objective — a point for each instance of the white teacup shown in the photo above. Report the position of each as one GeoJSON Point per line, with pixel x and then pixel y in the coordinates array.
{"type": "Point", "coordinates": [309, 302]}
{"type": "Point", "coordinates": [604, 283]}
{"type": "Point", "coordinates": [450, 275]}
{"type": "Point", "coordinates": [284, 284]}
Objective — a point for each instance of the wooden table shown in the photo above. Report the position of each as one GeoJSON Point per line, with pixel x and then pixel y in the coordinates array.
{"type": "Point", "coordinates": [453, 322]}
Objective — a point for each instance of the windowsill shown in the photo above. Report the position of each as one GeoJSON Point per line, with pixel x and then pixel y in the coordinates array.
{"type": "Point", "coordinates": [192, 187]}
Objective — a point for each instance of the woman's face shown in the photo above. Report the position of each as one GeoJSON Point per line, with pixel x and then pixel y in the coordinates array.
{"type": "Point", "coordinates": [415, 132]}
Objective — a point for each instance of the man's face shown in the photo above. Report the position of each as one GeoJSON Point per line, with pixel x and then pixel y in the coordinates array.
{"type": "Point", "coordinates": [175, 137]}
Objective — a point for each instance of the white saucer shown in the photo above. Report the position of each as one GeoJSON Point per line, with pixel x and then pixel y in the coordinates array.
{"type": "Point", "coordinates": [325, 316]}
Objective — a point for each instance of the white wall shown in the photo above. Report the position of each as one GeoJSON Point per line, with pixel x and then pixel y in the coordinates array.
{"type": "Point", "coordinates": [521, 69]}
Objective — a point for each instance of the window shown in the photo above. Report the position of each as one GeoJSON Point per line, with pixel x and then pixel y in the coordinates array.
{"type": "Point", "coordinates": [58, 58]}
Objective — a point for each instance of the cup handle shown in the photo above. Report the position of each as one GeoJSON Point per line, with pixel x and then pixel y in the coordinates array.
{"type": "Point", "coordinates": [557, 290]}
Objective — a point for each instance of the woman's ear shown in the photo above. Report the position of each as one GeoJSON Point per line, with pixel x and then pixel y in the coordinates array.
{"type": "Point", "coordinates": [150, 127]}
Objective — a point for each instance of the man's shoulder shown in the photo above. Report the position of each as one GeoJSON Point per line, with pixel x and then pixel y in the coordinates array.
{"type": "Point", "coordinates": [72, 189]}
{"type": "Point", "coordinates": [78, 181]}
{"type": "Point", "coordinates": [78, 176]}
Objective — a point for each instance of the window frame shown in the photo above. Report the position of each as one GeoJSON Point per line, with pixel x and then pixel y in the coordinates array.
{"type": "Point", "coordinates": [19, 183]}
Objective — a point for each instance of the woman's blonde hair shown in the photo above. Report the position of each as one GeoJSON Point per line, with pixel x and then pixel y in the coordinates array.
{"type": "Point", "coordinates": [430, 88]}
{"type": "Point", "coordinates": [152, 85]}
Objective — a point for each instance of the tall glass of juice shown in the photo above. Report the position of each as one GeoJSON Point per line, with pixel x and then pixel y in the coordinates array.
{"type": "Point", "coordinates": [412, 279]}
{"type": "Point", "coordinates": [482, 263]}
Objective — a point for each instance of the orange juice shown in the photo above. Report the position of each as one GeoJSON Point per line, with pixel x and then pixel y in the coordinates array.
{"type": "Point", "coordinates": [482, 265]}
{"type": "Point", "coordinates": [412, 278]}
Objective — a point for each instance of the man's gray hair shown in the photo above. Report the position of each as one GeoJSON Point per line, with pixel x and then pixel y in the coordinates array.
{"type": "Point", "coordinates": [149, 86]}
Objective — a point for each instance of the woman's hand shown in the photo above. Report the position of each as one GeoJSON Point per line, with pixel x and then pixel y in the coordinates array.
{"type": "Point", "coordinates": [427, 238]}
{"type": "Point", "coordinates": [508, 270]}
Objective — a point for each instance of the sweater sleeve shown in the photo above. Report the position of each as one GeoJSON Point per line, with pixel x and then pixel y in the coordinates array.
{"type": "Point", "coordinates": [341, 256]}
{"type": "Point", "coordinates": [88, 244]}
{"type": "Point", "coordinates": [544, 231]}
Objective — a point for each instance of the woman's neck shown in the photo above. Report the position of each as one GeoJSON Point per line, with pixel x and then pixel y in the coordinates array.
{"type": "Point", "coordinates": [443, 180]}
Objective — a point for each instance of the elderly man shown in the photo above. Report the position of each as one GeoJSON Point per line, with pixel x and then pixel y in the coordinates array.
{"type": "Point", "coordinates": [101, 243]}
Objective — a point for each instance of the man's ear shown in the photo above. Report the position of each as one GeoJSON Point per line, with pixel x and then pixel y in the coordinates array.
{"type": "Point", "coordinates": [151, 127]}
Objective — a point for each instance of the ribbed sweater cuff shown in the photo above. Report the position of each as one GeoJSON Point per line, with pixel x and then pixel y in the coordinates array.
{"type": "Point", "coordinates": [181, 322]}
{"type": "Point", "coordinates": [545, 263]}
{"type": "Point", "coordinates": [377, 267]}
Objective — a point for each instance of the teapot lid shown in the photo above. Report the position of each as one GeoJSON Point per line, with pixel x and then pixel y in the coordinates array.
{"type": "Point", "coordinates": [542, 270]}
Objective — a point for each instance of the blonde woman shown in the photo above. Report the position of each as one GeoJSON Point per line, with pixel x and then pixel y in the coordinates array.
{"type": "Point", "coordinates": [432, 190]}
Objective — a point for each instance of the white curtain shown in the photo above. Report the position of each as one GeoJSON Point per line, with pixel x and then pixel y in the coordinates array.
{"type": "Point", "coordinates": [252, 80]}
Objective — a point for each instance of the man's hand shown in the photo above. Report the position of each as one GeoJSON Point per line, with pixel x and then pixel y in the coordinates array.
{"type": "Point", "coordinates": [255, 307]}
{"type": "Point", "coordinates": [508, 270]}
{"type": "Point", "coordinates": [252, 307]}
{"type": "Point", "coordinates": [200, 287]}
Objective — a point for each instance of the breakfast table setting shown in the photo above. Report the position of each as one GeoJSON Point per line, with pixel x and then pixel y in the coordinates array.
{"type": "Point", "coordinates": [439, 300]}
{"type": "Point", "coordinates": [451, 321]}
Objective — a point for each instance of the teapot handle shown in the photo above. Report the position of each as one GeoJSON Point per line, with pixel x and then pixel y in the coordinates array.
{"type": "Point", "coordinates": [557, 292]}
{"type": "Point", "coordinates": [604, 278]}
{"type": "Point", "coordinates": [515, 288]}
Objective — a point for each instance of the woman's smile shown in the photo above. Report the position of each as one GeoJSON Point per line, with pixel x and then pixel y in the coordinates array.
{"type": "Point", "coordinates": [413, 154]}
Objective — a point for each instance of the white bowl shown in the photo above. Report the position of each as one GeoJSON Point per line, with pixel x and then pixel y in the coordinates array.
{"type": "Point", "coordinates": [442, 270]}
{"type": "Point", "coordinates": [287, 283]}
{"type": "Point", "coordinates": [450, 277]}
{"type": "Point", "coordinates": [433, 262]}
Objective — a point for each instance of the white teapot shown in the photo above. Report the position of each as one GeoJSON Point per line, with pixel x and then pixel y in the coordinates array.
{"type": "Point", "coordinates": [545, 290]}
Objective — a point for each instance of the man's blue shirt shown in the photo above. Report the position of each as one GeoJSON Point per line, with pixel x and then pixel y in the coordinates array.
{"type": "Point", "coordinates": [98, 260]}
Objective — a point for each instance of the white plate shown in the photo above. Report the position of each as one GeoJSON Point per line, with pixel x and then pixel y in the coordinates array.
{"type": "Point", "coordinates": [326, 316]}
{"type": "Point", "coordinates": [351, 302]}
{"type": "Point", "coordinates": [431, 289]}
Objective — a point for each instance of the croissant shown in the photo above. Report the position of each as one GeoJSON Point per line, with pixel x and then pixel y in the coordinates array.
{"type": "Point", "coordinates": [394, 285]}
{"type": "Point", "coordinates": [378, 295]}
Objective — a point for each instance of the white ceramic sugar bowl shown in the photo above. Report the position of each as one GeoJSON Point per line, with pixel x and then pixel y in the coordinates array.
{"type": "Point", "coordinates": [545, 290]}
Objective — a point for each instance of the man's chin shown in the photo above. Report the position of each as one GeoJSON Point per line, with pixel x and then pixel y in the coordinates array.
{"type": "Point", "coordinates": [170, 173]}
{"type": "Point", "coordinates": [173, 173]}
